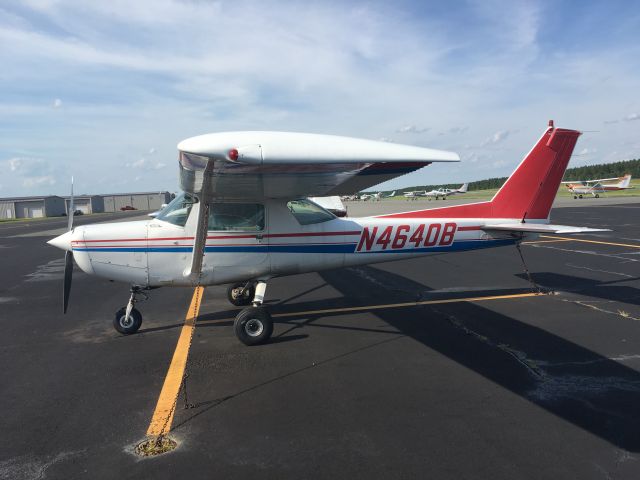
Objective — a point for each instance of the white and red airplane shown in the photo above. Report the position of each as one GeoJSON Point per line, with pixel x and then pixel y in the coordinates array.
{"type": "Point", "coordinates": [595, 187]}
{"type": "Point", "coordinates": [244, 217]}
{"type": "Point", "coordinates": [445, 192]}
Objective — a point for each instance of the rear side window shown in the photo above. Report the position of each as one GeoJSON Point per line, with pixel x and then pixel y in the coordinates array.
{"type": "Point", "coordinates": [244, 217]}
{"type": "Point", "coordinates": [307, 212]}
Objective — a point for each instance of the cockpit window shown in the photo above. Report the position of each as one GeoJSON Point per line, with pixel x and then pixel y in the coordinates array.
{"type": "Point", "coordinates": [307, 212]}
{"type": "Point", "coordinates": [244, 217]}
{"type": "Point", "coordinates": [177, 212]}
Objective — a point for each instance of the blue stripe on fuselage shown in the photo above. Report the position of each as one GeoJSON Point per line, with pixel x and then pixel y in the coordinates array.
{"type": "Point", "coordinates": [306, 248]}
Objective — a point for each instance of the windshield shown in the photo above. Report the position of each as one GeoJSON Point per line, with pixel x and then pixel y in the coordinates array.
{"type": "Point", "coordinates": [307, 212]}
{"type": "Point", "coordinates": [177, 212]}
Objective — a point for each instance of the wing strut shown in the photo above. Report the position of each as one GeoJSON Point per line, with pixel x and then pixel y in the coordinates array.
{"type": "Point", "coordinates": [194, 271]}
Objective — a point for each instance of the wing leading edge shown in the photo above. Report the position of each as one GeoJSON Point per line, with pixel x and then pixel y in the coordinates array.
{"type": "Point", "coordinates": [289, 165]}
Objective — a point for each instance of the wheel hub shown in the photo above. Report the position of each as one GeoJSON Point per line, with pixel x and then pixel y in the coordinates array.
{"type": "Point", "coordinates": [254, 327]}
{"type": "Point", "coordinates": [237, 293]}
{"type": "Point", "coordinates": [126, 322]}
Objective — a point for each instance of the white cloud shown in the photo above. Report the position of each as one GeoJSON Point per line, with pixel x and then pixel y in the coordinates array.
{"type": "Point", "coordinates": [497, 137]}
{"type": "Point", "coordinates": [585, 151]}
{"type": "Point", "coordinates": [144, 163]}
{"type": "Point", "coordinates": [499, 163]}
{"type": "Point", "coordinates": [412, 129]}
{"type": "Point", "coordinates": [14, 164]}
{"type": "Point", "coordinates": [631, 117]}
{"type": "Point", "coordinates": [31, 173]}
{"type": "Point", "coordinates": [57, 103]}
{"type": "Point", "coordinates": [152, 151]}
{"type": "Point", "coordinates": [38, 181]}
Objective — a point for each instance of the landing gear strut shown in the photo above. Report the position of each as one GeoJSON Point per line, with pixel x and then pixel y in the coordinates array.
{"type": "Point", "coordinates": [253, 325]}
{"type": "Point", "coordinates": [128, 320]}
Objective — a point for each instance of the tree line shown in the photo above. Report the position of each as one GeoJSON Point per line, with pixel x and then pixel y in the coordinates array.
{"type": "Point", "coordinates": [588, 172]}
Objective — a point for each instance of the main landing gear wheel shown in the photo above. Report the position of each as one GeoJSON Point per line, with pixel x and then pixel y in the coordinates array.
{"type": "Point", "coordinates": [575, 197]}
{"type": "Point", "coordinates": [597, 195]}
{"type": "Point", "coordinates": [579, 196]}
{"type": "Point", "coordinates": [127, 325]}
{"type": "Point", "coordinates": [240, 294]}
{"type": "Point", "coordinates": [253, 326]}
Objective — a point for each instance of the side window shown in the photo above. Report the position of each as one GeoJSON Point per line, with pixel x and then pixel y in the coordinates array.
{"type": "Point", "coordinates": [244, 217]}
{"type": "Point", "coordinates": [177, 212]}
{"type": "Point", "coordinates": [307, 212]}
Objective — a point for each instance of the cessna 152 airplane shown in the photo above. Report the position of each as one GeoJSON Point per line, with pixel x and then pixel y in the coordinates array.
{"type": "Point", "coordinates": [244, 218]}
{"type": "Point", "coordinates": [445, 192]}
{"type": "Point", "coordinates": [595, 188]}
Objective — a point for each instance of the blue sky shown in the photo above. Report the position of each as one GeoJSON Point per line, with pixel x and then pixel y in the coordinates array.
{"type": "Point", "coordinates": [105, 90]}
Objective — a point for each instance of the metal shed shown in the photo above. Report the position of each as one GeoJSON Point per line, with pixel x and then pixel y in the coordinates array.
{"type": "Point", "coordinates": [31, 207]}
{"type": "Point", "coordinates": [87, 204]}
{"type": "Point", "coordinates": [139, 201]}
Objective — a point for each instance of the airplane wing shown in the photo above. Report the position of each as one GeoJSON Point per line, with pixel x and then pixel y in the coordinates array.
{"type": "Point", "coordinates": [584, 182]}
{"type": "Point", "coordinates": [258, 165]}
{"type": "Point", "coordinates": [540, 228]}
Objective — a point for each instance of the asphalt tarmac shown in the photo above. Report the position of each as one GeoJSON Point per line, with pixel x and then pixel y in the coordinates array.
{"type": "Point", "coordinates": [525, 387]}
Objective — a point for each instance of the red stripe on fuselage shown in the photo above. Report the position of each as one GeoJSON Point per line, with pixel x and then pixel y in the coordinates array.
{"type": "Point", "coordinates": [225, 237]}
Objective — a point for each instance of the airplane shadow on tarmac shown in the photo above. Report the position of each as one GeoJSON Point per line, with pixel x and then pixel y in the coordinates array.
{"type": "Point", "coordinates": [578, 385]}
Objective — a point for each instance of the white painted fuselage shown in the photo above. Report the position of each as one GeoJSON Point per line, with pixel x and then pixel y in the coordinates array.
{"type": "Point", "coordinates": [154, 253]}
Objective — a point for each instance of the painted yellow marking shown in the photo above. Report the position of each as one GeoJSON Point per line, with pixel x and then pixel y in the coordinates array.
{"type": "Point", "coordinates": [394, 305]}
{"type": "Point", "coordinates": [535, 242]}
{"type": "Point", "coordinates": [165, 408]}
{"type": "Point", "coordinates": [629, 245]}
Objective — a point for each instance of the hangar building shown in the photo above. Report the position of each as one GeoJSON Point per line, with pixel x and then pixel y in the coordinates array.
{"type": "Point", "coordinates": [85, 203]}
{"type": "Point", "coordinates": [55, 206]}
{"type": "Point", "coordinates": [139, 201]}
{"type": "Point", "coordinates": [32, 207]}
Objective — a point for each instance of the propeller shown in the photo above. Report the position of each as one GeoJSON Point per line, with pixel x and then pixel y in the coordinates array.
{"type": "Point", "coordinates": [68, 256]}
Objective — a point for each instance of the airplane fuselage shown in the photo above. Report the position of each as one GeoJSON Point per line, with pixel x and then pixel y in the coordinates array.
{"type": "Point", "coordinates": [154, 253]}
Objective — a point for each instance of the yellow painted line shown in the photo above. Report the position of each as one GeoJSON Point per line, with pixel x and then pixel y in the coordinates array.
{"type": "Point", "coordinates": [535, 242]}
{"type": "Point", "coordinates": [406, 304]}
{"type": "Point", "coordinates": [165, 408]}
{"type": "Point", "coordinates": [594, 241]}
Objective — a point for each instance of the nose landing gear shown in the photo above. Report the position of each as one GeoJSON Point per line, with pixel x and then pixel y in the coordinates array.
{"type": "Point", "coordinates": [253, 325]}
{"type": "Point", "coordinates": [127, 320]}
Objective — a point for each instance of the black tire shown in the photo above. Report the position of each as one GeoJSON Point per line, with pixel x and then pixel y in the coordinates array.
{"type": "Point", "coordinates": [127, 327]}
{"type": "Point", "coordinates": [240, 300]}
{"type": "Point", "coordinates": [253, 326]}
{"type": "Point", "coordinates": [597, 195]}
{"type": "Point", "coordinates": [575, 197]}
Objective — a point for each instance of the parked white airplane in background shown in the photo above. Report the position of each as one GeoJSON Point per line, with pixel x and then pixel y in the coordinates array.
{"type": "Point", "coordinates": [244, 218]}
{"type": "Point", "coordinates": [376, 196]}
{"type": "Point", "coordinates": [445, 192]}
{"type": "Point", "coordinates": [595, 187]}
{"type": "Point", "coordinates": [414, 195]}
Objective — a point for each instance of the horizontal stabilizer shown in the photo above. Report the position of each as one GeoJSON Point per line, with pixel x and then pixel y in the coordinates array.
{"type": "Point", "coordinates": [541, 228]}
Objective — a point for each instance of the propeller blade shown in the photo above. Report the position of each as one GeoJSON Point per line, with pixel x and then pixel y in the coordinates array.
{"type": "Point", "coordinates": [71, 209]}
{"type": "Point", "coordinates": [68, 274]}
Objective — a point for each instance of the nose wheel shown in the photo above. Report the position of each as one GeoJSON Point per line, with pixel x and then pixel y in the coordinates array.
{"type": "Point", "coordinates": [127, 324]}
{"type": "Point", "coordinates": [253, 325]}
{"type": "Point", "coordinates": [128, 319]}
